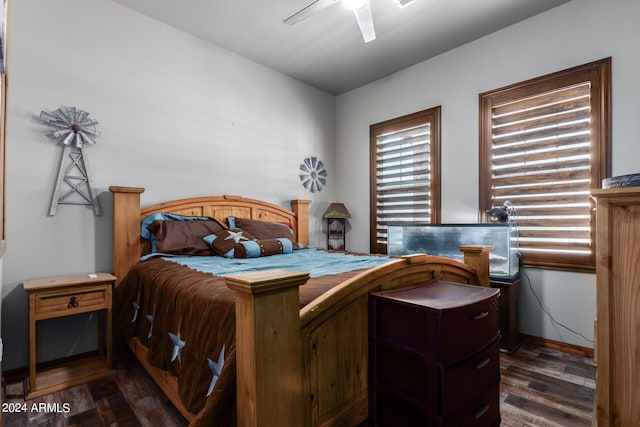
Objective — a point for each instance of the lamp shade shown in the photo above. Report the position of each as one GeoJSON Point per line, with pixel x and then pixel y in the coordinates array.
{"type": "Point", "coordinates": [337, 210]}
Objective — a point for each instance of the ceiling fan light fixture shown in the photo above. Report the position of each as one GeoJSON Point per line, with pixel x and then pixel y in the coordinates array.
{"type": "Point", "coordinates": [403, 3]}
{"type": "Point", "coordinates": [360, 8]}
{"type": "Point", "coordinates": [355, 4]}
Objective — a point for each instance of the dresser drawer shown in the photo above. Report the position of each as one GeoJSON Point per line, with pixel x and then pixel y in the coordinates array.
{"type": "Point", "coordinates": [485, 412]}
{"type": "Point", "coordinates": [466, 329]}
{"type": "Point", "coordinates": [465, 318]}
{"type": "Point", "coordinates": [406, 373]}
{"type": "Point", "coordinates": [462, 384]}
{"type": "Point", "coordinates": [394, 411]}
{"type": "Point", "coordinates": [77, 300]}
{"type": "Point", "coordinates": [400, 323]}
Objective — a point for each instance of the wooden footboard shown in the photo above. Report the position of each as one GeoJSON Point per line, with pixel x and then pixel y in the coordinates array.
{"type": "Point", "coordinates": [332, 354]}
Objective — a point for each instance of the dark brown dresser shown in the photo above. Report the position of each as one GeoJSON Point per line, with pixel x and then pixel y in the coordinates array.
{"type": "Point", "coordinates": [434, 356]}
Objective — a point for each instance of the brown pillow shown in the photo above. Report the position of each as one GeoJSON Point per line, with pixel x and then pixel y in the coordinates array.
{"type": "Point", "coordinates": [184, 237]}
{"type": "Point", "coordinates": [264, 229]}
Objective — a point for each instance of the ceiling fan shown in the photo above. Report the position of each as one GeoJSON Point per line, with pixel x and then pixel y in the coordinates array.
{"type": "Point", "coordinates": [360, 8]}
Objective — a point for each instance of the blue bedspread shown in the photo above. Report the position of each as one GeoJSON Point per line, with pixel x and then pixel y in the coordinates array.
{"type": "Point", "coordinates": [315, 262]}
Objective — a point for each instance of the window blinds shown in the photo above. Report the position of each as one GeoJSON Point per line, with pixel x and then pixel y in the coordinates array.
{"type": "Point", "coordinates": [541, 163]}
{"type": "Point", "coordinates": [403, 178]}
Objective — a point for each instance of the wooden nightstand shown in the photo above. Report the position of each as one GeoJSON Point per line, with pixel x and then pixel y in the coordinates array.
{"type": "Point", "coordinates": [55, 297]}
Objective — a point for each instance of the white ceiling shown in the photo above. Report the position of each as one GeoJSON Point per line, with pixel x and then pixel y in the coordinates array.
{"type": "Point", "coordinates": [327, 50]}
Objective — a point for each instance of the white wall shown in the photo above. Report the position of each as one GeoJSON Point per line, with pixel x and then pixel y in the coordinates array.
{"type": "Point", "coordinates": [572, 34]}
{"type": "Point", "coordinates": [178, 116]}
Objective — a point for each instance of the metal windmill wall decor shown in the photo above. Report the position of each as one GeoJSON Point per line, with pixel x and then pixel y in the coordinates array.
{"type": "Point", "coordinates": [313, 175]}
{"type": "Point", "coordinates": [74, 185]}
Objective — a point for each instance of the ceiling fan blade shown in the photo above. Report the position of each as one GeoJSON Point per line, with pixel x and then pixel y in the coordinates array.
{"type": "Point", "coordinates": [314, 7]}
{"type": "Point", "coordinates": [365, 22]}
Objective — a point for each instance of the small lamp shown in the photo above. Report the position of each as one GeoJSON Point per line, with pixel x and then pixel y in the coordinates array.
{"type": "Point", "coordinates": [336, 215]}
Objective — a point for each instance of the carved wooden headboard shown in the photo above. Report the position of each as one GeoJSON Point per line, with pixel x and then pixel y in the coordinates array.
{"type": "Point", "coordinates": [127, 216]}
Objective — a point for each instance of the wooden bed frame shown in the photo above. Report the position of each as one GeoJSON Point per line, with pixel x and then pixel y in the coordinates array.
{"type": "Point", "coordinates": [303, 367]}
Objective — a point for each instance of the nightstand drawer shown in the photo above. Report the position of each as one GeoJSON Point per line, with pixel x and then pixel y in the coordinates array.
{"type": "Point", "coordinates": [468, 328]}
{"type": "Point", "coordinates": [464, 383]}
{"type": "Point", "coordinates": [485, 412]}
{"type": "Point", "coordinates": [78, 300]}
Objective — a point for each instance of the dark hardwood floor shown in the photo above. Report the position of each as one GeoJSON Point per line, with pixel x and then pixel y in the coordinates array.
{"type": "Point", "coordinates": [540, 387]}
{"type": "Point", "coordinates": [543, 387]}
{"type": "Point", "coordinates": [129, 398]}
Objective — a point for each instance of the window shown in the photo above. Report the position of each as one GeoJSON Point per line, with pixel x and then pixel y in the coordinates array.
{"type": "Point", "coordinates": [544, 144]}
{"type": "Point", "coordinates": [405, 173]}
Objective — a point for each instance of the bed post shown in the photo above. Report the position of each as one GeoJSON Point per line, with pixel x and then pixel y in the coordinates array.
{"type": "Point", "coordinates": [268, 347]}
{"type": "Point", "coordinates": [301, 209]}
{"type": "Point", "coordinates": [477, 257]}
{"type": "Point", "coordinates": [126, 229]}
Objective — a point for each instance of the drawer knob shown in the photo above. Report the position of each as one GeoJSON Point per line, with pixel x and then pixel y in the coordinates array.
{"type": "Point", "coordinates": [480, 412]}
{"type": "Point", "coordinates": [483, 363]}
{"type": "Point", "coordinates": [73, 302]}
{"type": "Point", "coordinates": [481, 315]}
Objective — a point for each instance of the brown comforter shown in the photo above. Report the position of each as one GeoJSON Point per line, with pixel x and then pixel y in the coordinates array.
{"type": "Point", "coordinates": [185, 318]}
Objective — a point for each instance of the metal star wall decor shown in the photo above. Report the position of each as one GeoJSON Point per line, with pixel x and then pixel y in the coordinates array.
{"type": "Point", "coordinates": [74, 129]}
{"type": "Point", "coordinates": [313, 174]}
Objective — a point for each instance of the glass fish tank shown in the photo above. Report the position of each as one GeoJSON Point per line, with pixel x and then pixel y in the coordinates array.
{"type": "Point", "coordinates": [444, 240]}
